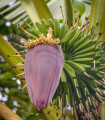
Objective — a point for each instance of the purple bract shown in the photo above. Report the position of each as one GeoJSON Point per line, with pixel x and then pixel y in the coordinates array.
{"type": "Point", "coordinates": [43, 67]}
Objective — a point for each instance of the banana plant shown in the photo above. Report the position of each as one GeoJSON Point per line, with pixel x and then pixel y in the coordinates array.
{"type": "Point", "coordinates": [82, 79]}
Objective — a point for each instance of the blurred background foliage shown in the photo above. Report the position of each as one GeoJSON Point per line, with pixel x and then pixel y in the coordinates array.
{"type": "Point", "coordinates": [11, 13]}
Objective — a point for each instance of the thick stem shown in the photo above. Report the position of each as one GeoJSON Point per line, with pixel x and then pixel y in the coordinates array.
{"type": "Point", "coordinates": [7, 113]}
{"type": "Point", "coordinates": [6, 51]}
{"type": "Point", "coordinates": [42, 9]}
{"type": "Point", "coordinates": [31, 11]}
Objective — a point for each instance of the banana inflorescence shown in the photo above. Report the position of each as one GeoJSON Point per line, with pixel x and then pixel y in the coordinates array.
{"type": "Point", "coordinates": [82, 79]}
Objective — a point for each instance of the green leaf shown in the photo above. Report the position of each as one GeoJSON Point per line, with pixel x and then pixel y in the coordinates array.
{"type": "Point", "coordinates": [79, 7]}
{"type": "Point", "coordinates": [82, 7]}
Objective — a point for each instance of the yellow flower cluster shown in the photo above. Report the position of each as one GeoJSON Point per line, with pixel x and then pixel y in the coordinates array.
{"type": "Point", "coordinates": [43, 40]}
